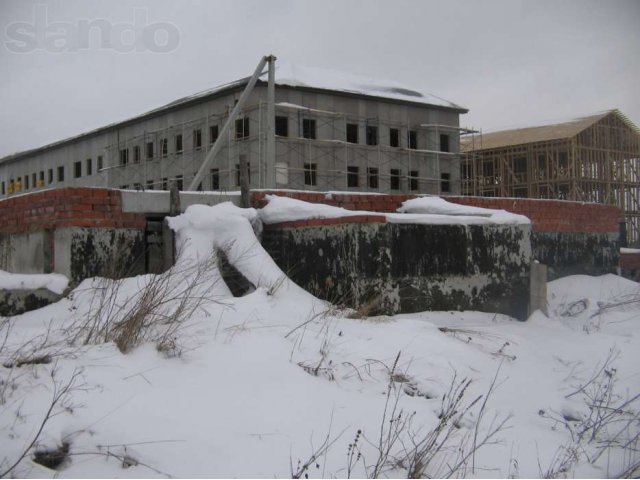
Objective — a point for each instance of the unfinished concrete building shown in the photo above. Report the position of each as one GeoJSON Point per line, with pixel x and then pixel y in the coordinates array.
{"type": "Point", "coordinates": [590, 159]}
{"type": "Point", "coordinates": [333, 131]}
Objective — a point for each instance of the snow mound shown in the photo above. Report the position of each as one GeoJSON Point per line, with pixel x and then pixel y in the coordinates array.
{"type": "Point", "coordinates": [439, 206]}
{"type": "Point", "coordinates": [54, 282]}
{"type": "Point", "coordinates": [285, 209]}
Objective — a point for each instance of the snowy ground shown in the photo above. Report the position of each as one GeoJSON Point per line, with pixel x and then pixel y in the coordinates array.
{"type": "Point", "coordinates": [215, 386]}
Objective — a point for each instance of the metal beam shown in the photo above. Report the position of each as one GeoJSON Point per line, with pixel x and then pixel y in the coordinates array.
{"type": "Point", "coordinates": [270, 160]}
{"type": "Point", "coordinates": [206, 164]}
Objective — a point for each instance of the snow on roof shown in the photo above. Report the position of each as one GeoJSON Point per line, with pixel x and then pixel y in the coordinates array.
{"type": "Point", "coordinates": [326, 79]}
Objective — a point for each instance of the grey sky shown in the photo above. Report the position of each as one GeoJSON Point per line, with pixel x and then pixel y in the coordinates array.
{"type": "Point", "coordinates": [511, 63]}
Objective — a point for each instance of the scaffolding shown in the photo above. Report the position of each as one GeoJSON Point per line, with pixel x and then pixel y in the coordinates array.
{"type": "Point", "coordinates": [594, 159]}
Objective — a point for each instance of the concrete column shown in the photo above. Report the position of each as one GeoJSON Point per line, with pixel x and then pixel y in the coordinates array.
{"type": "Point", "coordinates": [538, 288]}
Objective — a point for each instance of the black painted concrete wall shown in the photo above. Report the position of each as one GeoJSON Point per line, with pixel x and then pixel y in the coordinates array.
{"type": "Point", "coordinates": [392, 268]}
{"type": "Point", "coordinates": [576, 253]}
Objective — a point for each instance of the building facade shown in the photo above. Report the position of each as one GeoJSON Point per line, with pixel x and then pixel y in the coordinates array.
{"type": "Point", "coordinates": [333, 132]}
{"type": "Point", "coordinates": [590, 159]}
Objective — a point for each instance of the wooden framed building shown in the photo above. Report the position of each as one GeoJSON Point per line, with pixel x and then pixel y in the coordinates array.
{"type": "Point", "coordinates": [590, 159]}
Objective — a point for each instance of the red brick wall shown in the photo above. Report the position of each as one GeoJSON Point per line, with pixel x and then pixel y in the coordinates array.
{"type": "Point", "coordinates": [545, 215]}
{"type": "Point", "coordinates": [66, 207]}
{"type": "Point", "coordinates": [630, 261]}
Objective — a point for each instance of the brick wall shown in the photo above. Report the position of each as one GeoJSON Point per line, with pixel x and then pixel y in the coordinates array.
{"type": "Point", "coordinates": [66, 207]}
{"type": "Point", "coordinates": [545, 215]}
{"type": "Point", "coordinates": [630, 261]}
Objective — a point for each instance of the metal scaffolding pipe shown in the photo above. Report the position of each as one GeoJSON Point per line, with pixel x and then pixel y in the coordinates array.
{"type": "Point", "coordinates": [270, 154]}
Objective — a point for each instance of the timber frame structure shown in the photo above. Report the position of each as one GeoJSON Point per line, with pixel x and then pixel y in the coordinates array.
{"type": "Point", "coordinates": [591, 159]}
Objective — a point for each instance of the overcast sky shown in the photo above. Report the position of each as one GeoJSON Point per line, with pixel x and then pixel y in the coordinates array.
{"type": "Point", "coordinates": [511, 63]}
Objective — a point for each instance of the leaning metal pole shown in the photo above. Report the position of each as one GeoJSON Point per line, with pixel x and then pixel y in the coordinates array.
{"type": "Point", "coordinates": [206, 164]}
{"type": "Point", "coordinates": [270, 154]}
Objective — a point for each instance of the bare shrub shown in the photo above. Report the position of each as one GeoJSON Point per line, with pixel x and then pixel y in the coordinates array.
{"type": "Point", "coordinates": [611, 423]}
{"type": "Point", "coordinates": [153, 312]}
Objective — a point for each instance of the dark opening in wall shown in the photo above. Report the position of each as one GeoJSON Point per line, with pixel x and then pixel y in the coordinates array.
{"type": "Point", "coordinates": [26, 182]}
{"type": "Point", "coordinates": [444, 142]}
{"type": "Point", "coordinates": [136, 154]}
{"type": "Point", "coordinates": [197, 139]}
{"type": "Point", "coordinates": [124, 156]}
{"type": "Point", "coordinates": [165, 183]}
{"type": "Point", "coordinates": [413, 140]}
{"type": "Point", "coordinates": [372, 175]}
{"type": "Point", "coordinates": [372, 135]}
{"type": "Point", "coordinates": [352, 132]}
{"type": "Point", "coordinates": [149, 184]}
{"type": "Point", "coordinates": [394, 180]}
{"type": "Point", "coordinates": [41, 179]}
{"type": "Point", "coordinates": [100, 163]}
{"type": "Point", "coordinates": [310, 174]}
{"type": "Point", "coordinates": [352, 176]}
{"type": "Point", "coordinates": [149, 150]}
{"type": "Point", "coordinates": [213, 133]}
{"type": "Point", "coordinates": [394, 137]}
{"type": "Point", "coordinates": [413, 180]}
{"type": "Point", "coordinates": [242, 128]}
{"type": "Point", "coordinates": [282, 126]}
{"type": "Point", "coordinates": [179, 182]}
{"type": "Point", "coordinates": [164, 147]}
{"type": "Point", "coordinates": [61, 174]}
{"type": "Point", "coordinates": [179, 143]}
{"type": "Point", "coordinates": [88, 166]}
{"type": "Point", "coordinates": [50, 175]}
{"type": "Point", "coordinates": [77, 169]}
{"type": "Point", "coordinates": [214, 175]}
{"type": "Point", "coordinates": [308, 128]}
{"type": "Point", "coordinates": [445, 182]}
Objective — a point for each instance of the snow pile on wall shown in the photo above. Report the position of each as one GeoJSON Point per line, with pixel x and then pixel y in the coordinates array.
{"type": "Point", "coordinates": [439, 206]}
{"type": "Point", "coordinates": [53, 282]}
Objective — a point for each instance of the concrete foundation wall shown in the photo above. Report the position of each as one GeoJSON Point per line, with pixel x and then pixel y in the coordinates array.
{"type": "Point", "coordinates": [24, 252]}
{"type": "Point", "coordinates": [392, 268]}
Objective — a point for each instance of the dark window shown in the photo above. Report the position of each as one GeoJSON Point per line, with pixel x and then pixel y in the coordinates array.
{"type": "Point", "coordinates": [50, 175]}
{"type": "Point", "coordinates": [164, 148]}
{"type": "Point", "coordinates": [242, 127]}
{"type": "Point", "coordinates": [487, 169]}
{"type": "Point", "coordinates": [213, 133]}
{"type": "Point", "coordinates": [352, 176]}
{"type": "Point", "coordinates": [310, 173]}
{"type": "Point", "coordinates": [413, 139]}
{"type": "Point", "coordinates": [124, 156]}
{"type": "Point", "coordinates": [179, 143]}
{"type": "Point", "coordinates": [124, 187]}
{"type": "Point", "coordinates": [89, 166]}
{"type": "Point", "coordinates": [197, 139]}
{"type": "Point", "coordinates": [34, 184]}
{"type": "Point", "coordinates": [413, 180]}
{"type": "Point", "coordinates": [308, 128]}
{"type": "Point", "coordinates": [77, 169]}
{"type": "Point", "coordinates": [99, 163]}
{"type": "Point", "coordinates": [136, 154]}
{"type": "Point", "coordinates": [2, 191]}
{"type": "Point", "coordinates": [394, 137]}
{"type": "Point", "coordinates": [395, 179]}
{"type": "Point", "coordinates": [26, 182]}
{"type": "Point", "coordinates": [238, 171]}
{"type": "Point", "coordinates": [149, 184]}
{"type": "Point", "coordinates": [61, 174]}
{"type": "Point", "coordinates": [444, 142]}
{"type": "Point", "coordinates": [372, 135]}
{"type": "Point", "coordinates": [520, 192]}
{"type": "Point", "coordinates": [179, 182]}
{"type": "Point", "coordinates": [41, 179]}
{"type": "Point", "coordinates": [138, 187]}
{"type": "Point", "coordinates": [445, 183]}
{"type": "Point", "coordinates": [372, 175]}
{"type": "Point", "coordinates": [149, 150]}
{"type": "Point", "coordinates": [352, 132]}
{"type": "Point", "coordinates": [165, 183]}
{"type": "Point", "coordinates": [282, 126]}
{"type": "Point", "coordinates": [215, 178]}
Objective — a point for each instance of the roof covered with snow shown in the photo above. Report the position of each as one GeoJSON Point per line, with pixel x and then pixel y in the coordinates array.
{"type": "Point", "coordinates": [293, 76]}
